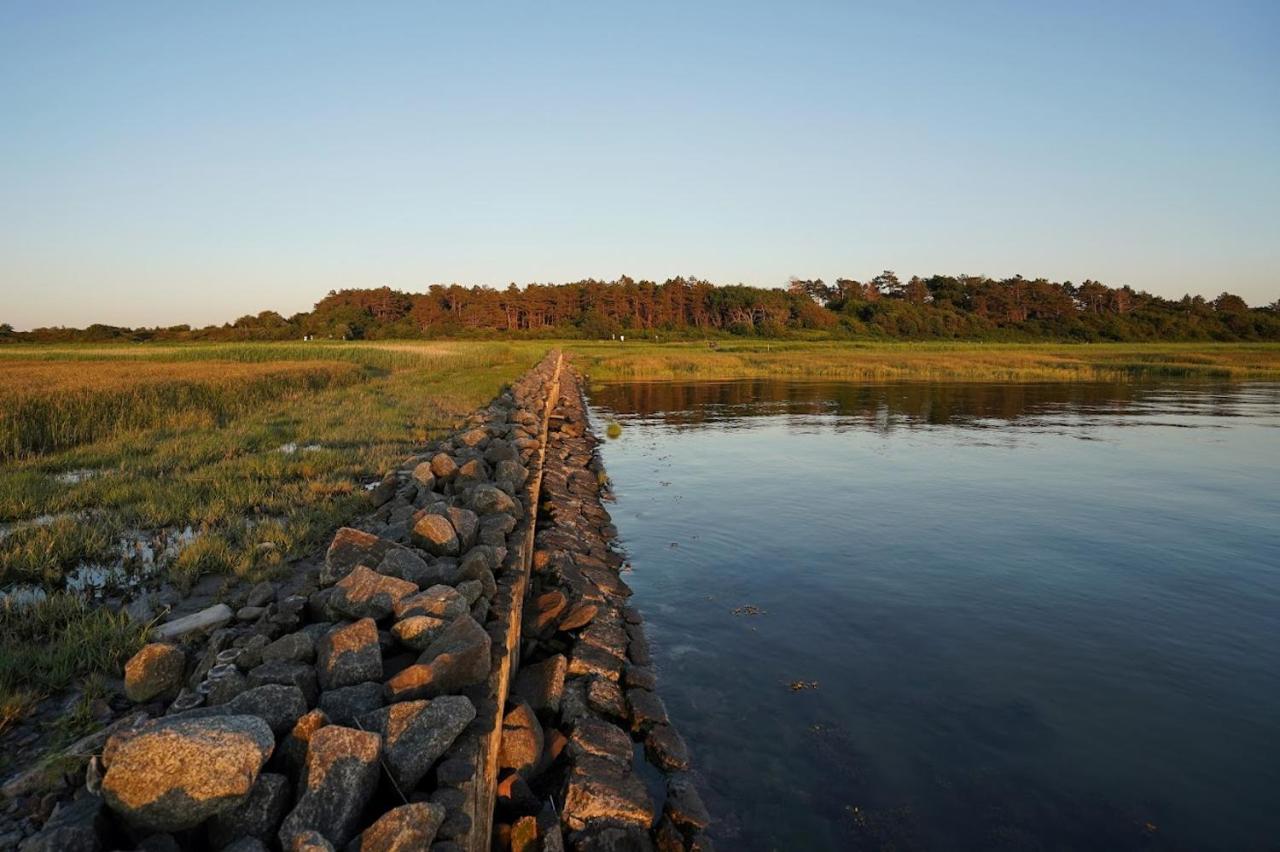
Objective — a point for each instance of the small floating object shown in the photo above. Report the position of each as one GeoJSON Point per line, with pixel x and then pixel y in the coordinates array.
{"type": "Point", "coordinates": [613, 430]}
{"type": "Point", "coordinates": [802, 685]}
{"type": "Point", "coordinates": [748, 609]}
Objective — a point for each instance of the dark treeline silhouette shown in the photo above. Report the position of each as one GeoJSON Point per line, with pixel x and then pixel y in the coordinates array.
{"type": "Point", "coordinates": [940, 306]}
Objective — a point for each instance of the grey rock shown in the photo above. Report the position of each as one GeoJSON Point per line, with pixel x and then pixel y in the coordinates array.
{"type": "Point", "coordinates": [403, 829]}
{"type": "Point", "coordinates": [261, 594]}
{"type": "Point", "coordinates": [348, 703]}
{"type": "Point", "coordinates": [298, 675]}
{"type": "Point", "coordinates": [522, 740]}
{"type": "Point", "coordinates": [435, 534]}
{"type": "Point", "coordinates": [171, 774]}
{"type": "Point", "coordinates": [467, 525]}
{"type": "Point", "coordinates": [74, 826]}
{"type": "Point", "coordinates": [439, 601]}
{"type": "Point", "coordinates": [154, 672]}
{"type": "Point", "coordinates": [597, 738]}
{"type": "Point", "coordinates": [417, 733]}
{"type": "Point", "coordinates": [278, 705]}
{"type": "Point", "coordinates": [418, 631]}
{"type": "Point", "coordinates": [542, 684]}
{"type": "Point", "coordinates": [666, 749]}
{"type": "Point", "coordinates": [341, 777]}
{"type": "Point", "coordinates": [489, 500]}
{"type": "Point", "coordinates": [600, 790]}
{"type": "Point", "coordinates": [257, 816]}
{"type": "Point", "coordinates": [291, 648]}
{"type": "Point", "coordinates": [459, 657]}
{"type": "Point", "coordinates": [352, 547]}
{"type": "Point", "coordinates": [349, 654]}
{"type": "Point", "coordinates": [684, 806]}
{"type": "Point", "coordinates": [364, 593]}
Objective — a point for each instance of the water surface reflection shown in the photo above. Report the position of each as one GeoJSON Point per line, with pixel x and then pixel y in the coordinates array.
{"type": "Point", "coordinates": [1041, 616]}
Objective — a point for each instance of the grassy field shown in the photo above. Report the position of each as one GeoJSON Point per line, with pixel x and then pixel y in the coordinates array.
{"type": "Point", "coordinates": [232, 458]}
{"type": "Point", "coordinates": [933, 361]}
{"type": "Point", "coordinates": [251, 453]}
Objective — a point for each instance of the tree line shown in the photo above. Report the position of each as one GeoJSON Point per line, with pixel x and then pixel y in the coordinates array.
{"type": "Point", "coordinates": [883, 306]}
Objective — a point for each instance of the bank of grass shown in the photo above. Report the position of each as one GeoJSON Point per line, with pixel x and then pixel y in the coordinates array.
{"type": "Point", "coordinates": [932, 361]}
{"type": "Point", "coordinates": [259, 481]}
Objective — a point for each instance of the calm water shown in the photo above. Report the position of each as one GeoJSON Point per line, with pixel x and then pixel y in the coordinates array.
{"type": "Point", "coordinates": [1038, 617]}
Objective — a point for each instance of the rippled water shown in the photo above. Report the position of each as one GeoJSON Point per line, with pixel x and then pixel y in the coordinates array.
{"type": "Point", "coordinates": [1024, 617]}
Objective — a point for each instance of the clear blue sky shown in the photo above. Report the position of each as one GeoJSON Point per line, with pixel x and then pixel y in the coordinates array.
{"type": "Point", "coordinates": [180, 162]}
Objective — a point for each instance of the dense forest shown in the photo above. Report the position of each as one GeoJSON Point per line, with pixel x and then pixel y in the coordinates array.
{"type": "Point", "coordinates": [940, 307]}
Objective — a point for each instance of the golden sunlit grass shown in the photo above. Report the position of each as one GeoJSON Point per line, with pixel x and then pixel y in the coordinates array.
{"type": "Point", "coordinates": [258, 477]}
{"type": "Point", "coordinates": [929, 361]}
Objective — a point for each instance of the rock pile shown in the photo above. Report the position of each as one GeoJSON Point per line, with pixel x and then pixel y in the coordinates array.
{"type": "Point", "coordinates": [346, 707]}
{"type": "Point", "coordinates": [571, 775]}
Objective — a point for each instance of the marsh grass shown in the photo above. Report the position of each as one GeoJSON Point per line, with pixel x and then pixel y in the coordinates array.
{"type": "Point", "coordinates": [44, 646]}
{"type": "Point", "coordinates": [217, 468]}
{"type": "Point", "coordinates": [880, 362]}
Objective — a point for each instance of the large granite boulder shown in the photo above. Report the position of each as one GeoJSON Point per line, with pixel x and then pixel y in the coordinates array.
{"type": "Point", "coordinates": [172, 774]}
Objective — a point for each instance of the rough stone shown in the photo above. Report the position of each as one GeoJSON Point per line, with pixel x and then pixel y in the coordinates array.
{"type": "Point", "coordinates": [605, 697]}
{"type": "Point", "coordinates": [404, 829]}
{"type": "Point", "coordinates": [666, 749]}
{"type": "Point", "coordinates": [257, 816]}
{"type": "Point", "coordinates": [544, 612]}
{"type": "Point", "coordinates": [443, 466]}
{"type": "Point", "coordinates": [341, 777]}
{"type": "Point", "coordinates": [278, 705]}
{"type": "Point", "coordinates": [441, 601]}
{"type": "Point", "coordinates": [352, 547]}
{"type": "Point", "coordinates": [580, 616]}
{"type": "Point", "coordinates": [364, 593]}
{"type": "Point", "coordinates": [74, 826]}
{"type": "Point", "coordinates": [459, 657]}
{"type": "Point", "coordinates": [349, 654]}
{"type": "Point", "coordinates": [424, 477]}
{"type": "Point", "coordinates": [154, 672]}
{"type": "Point", "coordinates": [299, 675]}
{"type": "Point", "coordinates": [291, 648]}
{"type": "Point", "coordinates": [646, 710]}
{"type": "Point", "coordinates": [542, 684]}
{"type": "Point", "coordinates": [588, 659]}
{"type": "Point", "coordinates": [294, 748]}
{"type": "Point", "coordinates": [466, 524]}
{"type": "Point", "coordinates": [348, 703]}
{"type": "Point", "coordinates": [684, 806]}
{"type": "Point", "coordinates": [603, 790]}
{"type": "Point", "coordinates": [597, 738]}
{"type": "Point", "coordinates": [489, 500]}
{"type": "Point", "coordinates": [172, 774]}
{"type": "Point", "coordinates": [418, 631]}
{"type": "Point", "coordinates": [436, 535]}
{"type": "Point", "coordinates": [407, 565]}
{"type": "Point", "coordinates": [417, 733]}
{"type": "Point", "coordinates": [641, 677]}
{"type": "Point", "coordinates": [522, 740]}
{"type": "Point", "coordinates": [310, 841]}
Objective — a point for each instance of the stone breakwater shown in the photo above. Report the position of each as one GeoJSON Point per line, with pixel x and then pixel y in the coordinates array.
{"type": "Point", "coordinates": [589, 756]}
{"type": "Point", "coordinates": [447, 676]}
